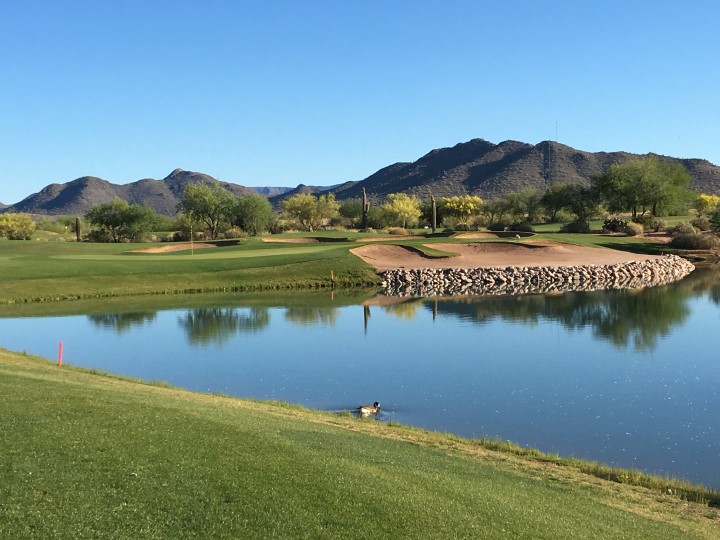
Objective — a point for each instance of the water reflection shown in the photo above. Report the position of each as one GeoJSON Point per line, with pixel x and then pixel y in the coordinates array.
{"type": "Point", "coordinates": [218, 325]}
{"type": "Point", "coordinates": [121, 322]}
{"type": "Point", "coordinates": [312, 316]}
{"type": "Point", "coordinates": [626, 318]}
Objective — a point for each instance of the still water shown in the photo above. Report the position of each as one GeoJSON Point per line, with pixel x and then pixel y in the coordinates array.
{"type": "Point", "coordinates": [628, 378]}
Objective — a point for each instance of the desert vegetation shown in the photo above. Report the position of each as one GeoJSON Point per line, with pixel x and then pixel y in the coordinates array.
{"type": "Point", "coordinates": [632, 197]}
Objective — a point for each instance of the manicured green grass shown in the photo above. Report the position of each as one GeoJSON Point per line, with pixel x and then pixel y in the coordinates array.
{"type": "Point", "coordinates": [91, 456]}
{"type": "Point", "coordinates": [41, 271]}
{"type": "Point", "coordinates": [45, 270]}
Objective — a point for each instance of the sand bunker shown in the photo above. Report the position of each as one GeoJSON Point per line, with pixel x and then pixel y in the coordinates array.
{"type": "Point", "coordinates": [493, 254]}
{"type": "Point", "coordinates": [169, 248]}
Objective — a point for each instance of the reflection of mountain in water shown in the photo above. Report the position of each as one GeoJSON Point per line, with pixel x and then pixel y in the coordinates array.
{"type": "Point", "coordinates": [217, 325]}
{"type": "Point", "coordinates": [309, 316]}
{"type": "Point", "coordinates": [624, 317]}
{"type": "Point", "coordinates": [121, 322]}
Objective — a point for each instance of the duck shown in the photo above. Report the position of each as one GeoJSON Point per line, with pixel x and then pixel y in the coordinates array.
{"type": "Point", "coordinates": [367, 410]}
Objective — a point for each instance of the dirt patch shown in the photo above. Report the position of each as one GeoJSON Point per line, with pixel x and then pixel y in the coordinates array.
{"type": "Point", "coordinates": [169, 248]}
{"type": "Point", "coordinates": [493, 254]}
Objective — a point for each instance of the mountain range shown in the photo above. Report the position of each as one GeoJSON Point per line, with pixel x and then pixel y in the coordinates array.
{"type": "Point", "coordinates": [475, 167]}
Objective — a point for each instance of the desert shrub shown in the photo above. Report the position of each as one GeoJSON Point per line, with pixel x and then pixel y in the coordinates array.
{"type": "Point", "coordinates": [576, 227]}
{"type": "Point", "coordinates": [614, 225]}
{"type": "Point", "coordinates": [694, 241]}
{"type": "Point", "coordinates": [701, 223]}
{"type": "Point", "coordinates": [633, 229]}
{"type": "Point", "coordinates": [234, 232]}
{"type": "Point", "coordinates": [397, 231]}
{"type": "Point", "coordinates": [658, 225]}
{"type": "Point", "coordinates": [681, 229]}
{"type": "Point", "coordinates": [100, 236]}
{"type": "Point", "coordinates": [521, 226]}
{"type": "Point", "coordinates": [645, 220]}
{"type": "Point", "coordinates": [478, 222]}
{"type": "Point", "coordinates": [497, 226]}
{"type": "Point", "coordinates": [49, 225]}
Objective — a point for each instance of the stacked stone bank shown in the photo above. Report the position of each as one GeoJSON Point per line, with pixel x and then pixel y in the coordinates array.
{"type": "Point", "coordinates": [536, 279]}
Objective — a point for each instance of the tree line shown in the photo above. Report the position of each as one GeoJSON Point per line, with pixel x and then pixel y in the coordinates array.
{"type": "Point", "coordinates": [641, 189]}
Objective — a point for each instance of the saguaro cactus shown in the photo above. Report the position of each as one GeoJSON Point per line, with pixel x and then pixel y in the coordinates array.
{"type": "Point", "coordinates": [434, 213]}
{"type": "Point", "coordinates": [77, 228]}
{"type": "Point", "coordinates": [365, 208]}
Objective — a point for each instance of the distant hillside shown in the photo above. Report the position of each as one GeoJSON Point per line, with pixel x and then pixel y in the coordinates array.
{"type": "Point", "coordinates": [78, 196]}
{"type": "Point", "coordinates": [490, 170]}
{"type": "Point", "coordinates": [269, 191]}
{"type": "Point", "coordinates": [475, 167]}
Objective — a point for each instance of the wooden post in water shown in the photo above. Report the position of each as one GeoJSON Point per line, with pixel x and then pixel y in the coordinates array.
{"type": "Point", "coordinates": [60, 354]}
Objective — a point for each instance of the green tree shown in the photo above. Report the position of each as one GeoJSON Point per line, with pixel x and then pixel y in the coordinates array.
{"type": "Point", "coordinates": [462, 207]}
{"type": "Point", "coordinates": [303, 209]}
{"type": "Point", "coordinates": [16, 226]}
{"type": "Point", "coordinates": [210, 204]}
{"type": "Point", "coordinates": [714, 219]}
{"type": "Point", "coordinates": [555, 199]}
{"type": "Point", "coordinates": [327, 207]}
{"type": "Point", "coordinates": [351, 210]}
{"type": "Point", "coordinates": [582, 202]}
{"type": "Point", "coordinates": [309, 211]}
{"type": "Point", "coordinates": [495, 210]}
{"type": "Point", "coordinates": [121, 220]}
{"type": "Point", "coordinates": [253, 214]}
{"type": "Point", "coordinates": [401, 209]}
{"type": "Point", "coordinates": [524, 205]}
{"type": "Point", "coordinates": [644, 184]}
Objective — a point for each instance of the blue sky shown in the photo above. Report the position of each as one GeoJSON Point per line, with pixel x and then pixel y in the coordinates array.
{"type": "Point", "coordinates": [319, 92]}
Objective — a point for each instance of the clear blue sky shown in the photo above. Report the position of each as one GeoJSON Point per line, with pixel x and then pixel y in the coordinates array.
{"type": "Point", "coordinates": [282, 92]}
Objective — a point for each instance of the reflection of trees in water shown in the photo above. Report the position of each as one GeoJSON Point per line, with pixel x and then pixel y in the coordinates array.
{"type": "Point", "coordinates": [217, 325]}
{"type": "Point", "coordinates": [121, 322]}
{"type": "Point", "coordinates": [309, 316]}
{"type": "Point", "coordinates": [405, 310]}
{"type": "Point", "coordinates": [626, 317]}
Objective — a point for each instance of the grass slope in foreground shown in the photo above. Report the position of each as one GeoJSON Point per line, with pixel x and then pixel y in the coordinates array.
{"type": "Point", "coordinates": [85, 455]}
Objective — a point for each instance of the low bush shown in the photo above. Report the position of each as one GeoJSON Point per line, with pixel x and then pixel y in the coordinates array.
{"type": "Point", "coordinates": [694, 241]}
{"type": "Point", "coordinates": [398, 231]}
{"type": "Point", "coordinates": [614, 225]}
{"type": "Point", "coordinates": [701, 223]}
{"type": "Point", "coordinates": [633, 229]}
{"type": "Point", "coordinates": [521, 226]}
{"type": "Point", "coordinates": [647, 221]}
{"type": "Point", "coordinates": [658, 225]}
{"type": "Point", "coordinates": [681, 229]}
{"type": "Point", "coordinates": [233, 232]}
{"type": "Point", "coordinates": [497, 226]}
{"type": "Point", "coordinates": [576, 227]}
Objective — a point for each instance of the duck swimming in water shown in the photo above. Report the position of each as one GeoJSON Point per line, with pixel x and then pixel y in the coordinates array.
{"type": "Point", "coordinates": [367, 410]}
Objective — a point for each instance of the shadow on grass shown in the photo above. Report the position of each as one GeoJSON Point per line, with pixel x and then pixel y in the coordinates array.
{"type": "Point", "coordinates": [642, 248]}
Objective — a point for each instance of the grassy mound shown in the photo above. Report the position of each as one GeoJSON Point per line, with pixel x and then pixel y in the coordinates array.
{"type": "Point", "coordinates": [88, 455]}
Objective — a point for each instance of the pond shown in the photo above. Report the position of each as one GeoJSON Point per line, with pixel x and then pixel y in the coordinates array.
{"type": "Point", "coordinates": [627, 378]}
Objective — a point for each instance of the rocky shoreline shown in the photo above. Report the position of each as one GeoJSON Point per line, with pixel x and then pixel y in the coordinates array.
{"type": "Point", "coordinates": [535, 279]}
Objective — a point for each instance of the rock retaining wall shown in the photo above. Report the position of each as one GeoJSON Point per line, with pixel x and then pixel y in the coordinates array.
{"type": "Point", "coordinates": [534, 280]}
